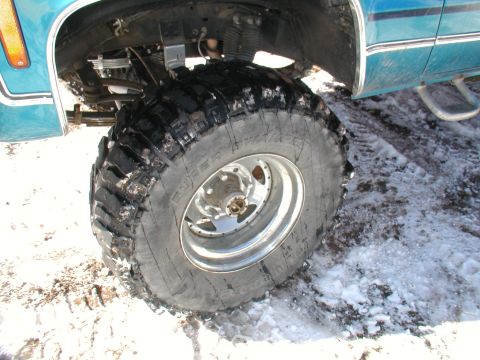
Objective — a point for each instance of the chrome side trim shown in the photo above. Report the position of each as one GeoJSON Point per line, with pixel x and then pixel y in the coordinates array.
{"type": "Point", "coordinates": [9, 99]}
{"type": "Point", "coordinates": [425, 42]}
{"type": "Point", "coordinates": [361, 45]}
{"type": "Point", "coordinates": [52, 68]}
{"type": "Point", "coordinates": [457, 38]}
{"type": "Point", "coordinates": [400, 45]}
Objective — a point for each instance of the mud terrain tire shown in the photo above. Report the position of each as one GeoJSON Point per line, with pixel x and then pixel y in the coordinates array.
{"type": "Point", "coordinates": [162, 149]}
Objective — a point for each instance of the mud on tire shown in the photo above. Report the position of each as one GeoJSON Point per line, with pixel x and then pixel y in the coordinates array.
{"type": "Point", "coordinates": [162, 149]}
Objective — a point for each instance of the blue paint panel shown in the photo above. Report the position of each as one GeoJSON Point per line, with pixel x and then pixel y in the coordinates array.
{"type": "Point", "coordinates": [427, 80]}
{"type": "Point", "coordinates": [454, 57]}
{"type": "Point", "coordinates": [457, 57]}
{"type": "Point", "coordinates": [377, 6]}
{"type": "Point", "coordinates": [31, 122]}
{"type": "Point", "coordinates": [404, 27]}
{"type": "Point", "coordinates": [36, 18]}
{"type": "Point", "coordinates": [463, 21]}
{"type": "Point", "coordinates": [395, 69]}
{"type": "Point", "coordinates": [450, 75]}
{"type": "Point", "coordinates": [28, 122]}
{"type": "Point", "coordinates": [460, 23]}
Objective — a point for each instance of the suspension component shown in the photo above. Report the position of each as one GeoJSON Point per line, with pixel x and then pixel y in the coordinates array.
{"type": "Point", "coordinates": [173, 40]}
{"type": "Point", "coordinates": [91, 118]}
{"type": "Point", "coordinates": [92, 86]}
{"type": "Point", "coordinates": [103, 64]}
{"type": "Point", "coordinates": [242, 38]}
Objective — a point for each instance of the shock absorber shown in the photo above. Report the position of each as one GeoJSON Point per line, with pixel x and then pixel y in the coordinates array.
{"type": "Point", "coordinates": [242, 39]}
{"type": "Point", "coordinates": [250, 41]}
{"type": "Point", "coordinates": [231, 39]}
{"type": "Point", "coordinates": [92, 86]}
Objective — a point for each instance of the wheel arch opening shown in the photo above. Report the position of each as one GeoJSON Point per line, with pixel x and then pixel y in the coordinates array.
{"type": "Point", "coordinates": [322, 33]}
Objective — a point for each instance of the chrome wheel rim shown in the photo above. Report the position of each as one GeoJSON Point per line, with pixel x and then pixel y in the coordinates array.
{"type": "Point", "coordinates": [242, 213]}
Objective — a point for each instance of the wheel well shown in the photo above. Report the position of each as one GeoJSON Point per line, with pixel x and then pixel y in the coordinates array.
{"type": "Point", "coordinates": [320, 33]}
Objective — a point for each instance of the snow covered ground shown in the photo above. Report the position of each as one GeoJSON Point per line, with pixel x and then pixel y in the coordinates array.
{"type": "Point", "coordinates": [399, 277]}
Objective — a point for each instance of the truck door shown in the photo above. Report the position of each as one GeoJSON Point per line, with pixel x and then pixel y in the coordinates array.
{"type": "Point", "coordinates": [400, 36]}
{"type": "Point", "coordinates": [457, 47]}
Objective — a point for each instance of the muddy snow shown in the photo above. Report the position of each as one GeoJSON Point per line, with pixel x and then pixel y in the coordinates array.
{"type": "Point", "coordinates": [398, 277]}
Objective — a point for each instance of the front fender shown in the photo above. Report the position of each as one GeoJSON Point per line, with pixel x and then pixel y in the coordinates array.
{"type": "Point", "coordinates": [40, 113]}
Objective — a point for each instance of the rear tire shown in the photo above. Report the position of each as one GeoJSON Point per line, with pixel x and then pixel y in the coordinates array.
{"type": "Point", "coordinates": [162, 150]}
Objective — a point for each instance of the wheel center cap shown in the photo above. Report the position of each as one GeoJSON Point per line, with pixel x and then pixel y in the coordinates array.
{"type": "Point", "coordinates": [237, 205]}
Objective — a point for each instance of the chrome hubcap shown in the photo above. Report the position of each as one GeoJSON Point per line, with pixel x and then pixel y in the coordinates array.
{"type": "Point", "coordinates": [230, 199]}
{"type": "Point", "coordinates": [242, 213]}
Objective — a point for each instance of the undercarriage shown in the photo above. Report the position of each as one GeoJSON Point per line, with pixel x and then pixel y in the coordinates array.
{"type": "Point", "coordinates": [111, 52]}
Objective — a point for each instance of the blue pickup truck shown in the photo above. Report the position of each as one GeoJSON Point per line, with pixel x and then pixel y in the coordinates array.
{"type": "Point", "coordinates": [215, 184]}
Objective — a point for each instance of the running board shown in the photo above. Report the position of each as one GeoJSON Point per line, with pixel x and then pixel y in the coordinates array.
{"type": "Point", "coordinates": [452, 113]}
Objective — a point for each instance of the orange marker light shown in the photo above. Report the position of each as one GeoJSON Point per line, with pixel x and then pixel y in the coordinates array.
{"type": "Point", "coordinates": [11, 36]}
